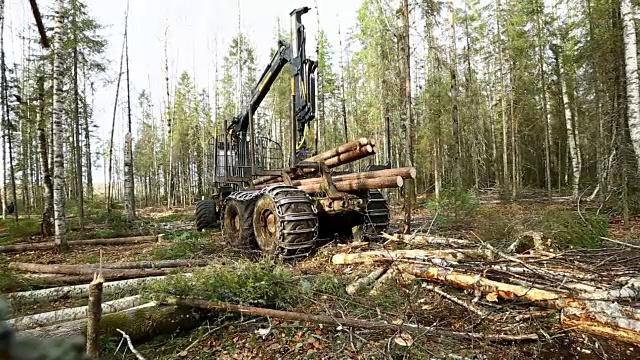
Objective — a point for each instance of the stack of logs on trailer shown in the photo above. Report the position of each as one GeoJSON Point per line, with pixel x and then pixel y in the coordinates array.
{"type": "Point", "coordinates": [342, 155]}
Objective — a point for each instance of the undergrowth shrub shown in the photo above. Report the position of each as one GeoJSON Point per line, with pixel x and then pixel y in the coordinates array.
{"type": "Point", "coordinates": [248, 283]}
{"type": "Point", "coordinates": [454, 205]}
{"type": "Point", "coordinates": [185, 244]}
{"type": "Point", "coordinates": [565, 228]}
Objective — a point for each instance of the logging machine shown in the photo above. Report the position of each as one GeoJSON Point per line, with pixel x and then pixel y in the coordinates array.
{"type": "Point", "coordinates": [287, 210]}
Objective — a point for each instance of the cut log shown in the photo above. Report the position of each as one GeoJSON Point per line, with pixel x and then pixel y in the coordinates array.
{"type": "Point", "coordinates": [370, 257]}
{"type": "Point", "coordinates": [141, 323]}
{"type": "Point", "coordinates": [346, 322]}
{"type": "Point", "coordinates": [613, 327]}
{"type": "Point", "coordinates": [85, 270]}
{"type": "Point", "coordinates": [94, 314]}
{"type": "Point", "coordinates": [405, 173]}
{"type": "Point", "coordinates": [335, 161]}
{"type": "Point", "coordinates": [93, 242]}
{"type": "Point", "coordinates": [60, 280]}
{"type": "Point", "coordinates": [81, 291]}
{"type": "Point", "coordinates": [361, 184]}
{"type": "Point", "coordinates": [419, 239]}
{"type": "Point", "coordinates": [70, 314]}
{"type": "Point", "coordinates": [352, 145]}
{"type": "Point", "coordinates": [161, 264]}
{"type": "Point", "coordinates": [382, 282]}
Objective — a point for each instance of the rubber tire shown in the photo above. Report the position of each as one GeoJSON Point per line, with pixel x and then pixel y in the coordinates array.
{"type": "Point", "coordinates": [205, 214]}
{"type": "Point", "coordinates": [239, 235]}
{"type": "Point", "coordinates": [268, 202]}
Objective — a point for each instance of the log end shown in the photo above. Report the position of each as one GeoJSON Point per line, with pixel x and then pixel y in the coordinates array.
{"type": "Point", "coordinates": [413, 172]}
{"type": "Point", "coordinates": [399, 181]}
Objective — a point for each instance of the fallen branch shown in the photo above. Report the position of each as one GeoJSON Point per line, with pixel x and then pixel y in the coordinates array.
{"type": "Point", "coordinates": [382, 281]}
{"type": "Point", "coordinates": [130, 345]}
{"type": "Point", "coordinates": [51, 245]}
{"type": "Point", "coordinates": [454, 299]}
{"type": "Point", "coordinates": [426, 239]}
{"type": "Point", "coordinates": [70, 314]}
{"type": "Point", "coordinates": [621, 243]}
{"type": "Point", "coordinates": [346, 322]}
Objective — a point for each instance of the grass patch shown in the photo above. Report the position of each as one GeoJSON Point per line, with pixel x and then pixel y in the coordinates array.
{"type": "Point", "coordinates": [184, 245]}
{"type": "Point", "coordinates": [565, 227]}
{"type": "Point", "coordinates": [176, 217]}
{"type": "Point", "coordinates": [10, 230]}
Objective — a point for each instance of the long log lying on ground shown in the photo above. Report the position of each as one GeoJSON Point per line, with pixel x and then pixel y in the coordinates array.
{"type": "Point", "coordinates": [335, 161]}
{"type": "Point", "coordinates": [598, 317]}
{"type": "Point", "coordinates": [141, 323]}
{"type": "Point", "coordinates": [405, 173]}
{"type": "Point", "coordinates": [160, 264]}
{"type": "Point", "coordinates": [60, 280]}
{"type": "Point", "coordinates": [331, 320]}
{"type": "Point", "coordinates": [426, 239]}
{"type": "Point", "coordinates": [613, 327]}
{"type": "Point", "coordinates": [362, 184]}
{"type": "Point", "coordinates": [369, 257]}
{"type": "Point", "coordinates": [93, 242]}
{"type": "Point", "coordinates": [84, 270]}
{"type": "Point", "coordinates": [82, 291]}
{"type": "Point", "coordinates": [71, 314]}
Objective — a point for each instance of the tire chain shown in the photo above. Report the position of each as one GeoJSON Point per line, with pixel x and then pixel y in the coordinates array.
{"type": "Point", "coordinates": [286, 242]}
{"type": "Point", "coordinates": [372, 221]}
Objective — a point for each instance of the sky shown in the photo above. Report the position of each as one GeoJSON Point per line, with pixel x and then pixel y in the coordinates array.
{"type": "Point", "coordinates": [195, 28]}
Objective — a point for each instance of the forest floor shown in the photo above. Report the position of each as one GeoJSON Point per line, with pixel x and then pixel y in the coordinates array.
{"type": "Point", "coordinates": [244, 337]}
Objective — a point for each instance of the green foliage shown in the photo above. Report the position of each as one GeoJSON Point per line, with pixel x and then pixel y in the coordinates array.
{"type": "Point", "coordinates": [454, 204]}
{"type": "Point", "coordinates": [10, 230]}
{"type": "Point", "coordinates": [246, 283]}
{"type": "Point", "coordinates": [564, 227]}
{"type": "Point", "coordinates": [184, 245]}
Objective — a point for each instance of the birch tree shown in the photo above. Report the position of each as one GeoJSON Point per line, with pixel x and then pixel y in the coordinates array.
{"type": "Point", "coordinates": [58, 132]}
{"type": "Point", "coordinates": [631, 70]}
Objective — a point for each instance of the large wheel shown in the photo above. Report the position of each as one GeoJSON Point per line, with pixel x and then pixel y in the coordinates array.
{"type": "Point", "coordinates": [376, 217]}
{"type": "Point", "coordinates": [237, 228]}
{"type": "Point", "coordinates": [285, 222]}
{"type": "Point", "coordinates": [206, 216]}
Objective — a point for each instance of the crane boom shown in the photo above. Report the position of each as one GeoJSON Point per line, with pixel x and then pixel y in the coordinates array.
{"type": "Point", "coordinates": [302, 83]}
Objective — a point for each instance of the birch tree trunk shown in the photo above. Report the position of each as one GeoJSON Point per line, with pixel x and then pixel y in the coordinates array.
{"type": "Point", "coordinates": [58, 134]}
{"type": "Point", "coordinates": [128, 151]}
{"type": "Point", "coordinates": [454, 97]}
{"type": "Point", "coordinates": [47, 217]}
{"type": "Point", "coordinates": [87, 136]}
{"type": "Point", "coordinates": [571, 138]}
{"type": "Point", "coordinates": [631, 70]}
{"type": "Point", "coordinates": [76, 114]}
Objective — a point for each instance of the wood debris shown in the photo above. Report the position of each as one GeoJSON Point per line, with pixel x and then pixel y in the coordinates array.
{"type": "Point", "coordinates": [595, 290]}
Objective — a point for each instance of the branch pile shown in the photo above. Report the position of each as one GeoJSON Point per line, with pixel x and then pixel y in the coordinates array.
{"type": "Point", "coordinates": [596, 291]}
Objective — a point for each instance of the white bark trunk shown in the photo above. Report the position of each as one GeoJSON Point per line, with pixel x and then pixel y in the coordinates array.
{"type": "Point", "coordinates": [631, 69]}
{"type": "Point", "coordinates": [71, 314]}
{"type": "Point", "coordinates": [571, 138]}
{"type": "Point", "coordinates": [79, 291]}
{"type": "Point", "coordinates": [58, 135]}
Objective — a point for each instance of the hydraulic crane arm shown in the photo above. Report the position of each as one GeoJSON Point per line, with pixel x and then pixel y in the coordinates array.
{"type": "Point", "coordinates": [302, 82]}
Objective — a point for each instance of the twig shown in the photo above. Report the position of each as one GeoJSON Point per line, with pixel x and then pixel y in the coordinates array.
{"type": "Point", "coordinates": [133, 349]}
{"type": "Point", "coordinates": [454, 299]}
{"type": "Point", "coordinates": [620, 242]}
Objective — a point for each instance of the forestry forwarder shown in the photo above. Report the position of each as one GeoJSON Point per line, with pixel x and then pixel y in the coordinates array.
{"type": "Point", "coordinates": [281, 219]}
